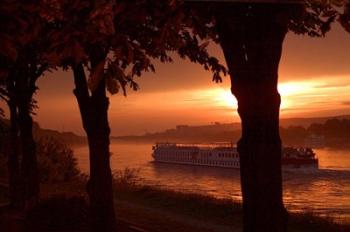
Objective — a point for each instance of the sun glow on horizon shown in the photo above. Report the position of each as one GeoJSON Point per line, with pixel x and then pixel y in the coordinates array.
{"type": "Point", "coordinates": [220, 97]}
{"type": "Point", "coordinates": [161, 109]}
{"type": "Point", "coordinates": [295, 88]}
{"type": "Point", "coordinates": [297, 96]}
{"type": "Point", "coordinates": [289, 91]}
{"type": "Point", "coordinates": [318, 95]}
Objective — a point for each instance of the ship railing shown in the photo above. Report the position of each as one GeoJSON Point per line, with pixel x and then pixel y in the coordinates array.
{"type": "Point", "coordinates": [199, 145]}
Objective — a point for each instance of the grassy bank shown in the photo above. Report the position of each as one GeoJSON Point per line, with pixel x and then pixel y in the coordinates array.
{"type": "Point", "coordinates": [154, 209]}
{"type": "Point", "coordinates": [220, 212]}
{"type": "Point", "coordinates": [223, 212]}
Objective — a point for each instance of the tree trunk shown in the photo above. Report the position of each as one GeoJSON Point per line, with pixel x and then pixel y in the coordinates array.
{"type": "Point", "coordinates": [94, 113]}
{"type": "Point", "coordinates": [13, 159]}
{"type": "Point", "coordinates": [29, 166]}
{"type": "Point", "coordinates": [23, 171]}
{"type": "Point", "coordinates": [251, 38]}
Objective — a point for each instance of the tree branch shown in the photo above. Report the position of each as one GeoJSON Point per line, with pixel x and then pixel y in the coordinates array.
{"type": "Point", "coordinates": [81, 88]}
{"type": "Point", "coordinates": [4, 95]}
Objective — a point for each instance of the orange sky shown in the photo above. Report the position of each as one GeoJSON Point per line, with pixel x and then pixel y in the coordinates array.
{"type": "Point", "coordinates": [314, 81]}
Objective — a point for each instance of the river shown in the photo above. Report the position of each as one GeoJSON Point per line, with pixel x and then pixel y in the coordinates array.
{"type": "Point", "coordinates": [325, 191]}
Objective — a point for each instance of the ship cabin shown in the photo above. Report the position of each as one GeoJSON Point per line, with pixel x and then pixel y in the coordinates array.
{"type": "Point", "coordinates": [206, 155]}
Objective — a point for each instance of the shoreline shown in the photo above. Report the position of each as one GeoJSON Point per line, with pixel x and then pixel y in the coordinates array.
{"type": "Point", "coordinates": [154, 209]}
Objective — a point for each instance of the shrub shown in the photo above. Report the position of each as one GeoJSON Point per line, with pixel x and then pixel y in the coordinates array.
{"type": "Point", "coordinates": [56, 162]}
{"type": "Point", "coordinates": [126, 177]}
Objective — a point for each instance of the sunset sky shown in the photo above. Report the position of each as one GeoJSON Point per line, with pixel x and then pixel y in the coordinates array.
{"type": "Point", "coordinates": [314, 79]}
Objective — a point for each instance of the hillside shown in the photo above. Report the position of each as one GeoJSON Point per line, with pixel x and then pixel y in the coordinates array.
{"type": "Point", "coordinates": [68, 138]}
{"type": "Point", "coordinates": [305, 122]}
{"type": "Point", "coordinates": [294, 131]}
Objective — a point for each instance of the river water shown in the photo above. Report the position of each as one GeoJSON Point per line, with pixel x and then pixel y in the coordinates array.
{"type": "Point", "coordinates": [325, 191]}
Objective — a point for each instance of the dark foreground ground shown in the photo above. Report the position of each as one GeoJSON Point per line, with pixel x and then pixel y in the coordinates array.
{"type": "Point", "coordinates": [141, 208]}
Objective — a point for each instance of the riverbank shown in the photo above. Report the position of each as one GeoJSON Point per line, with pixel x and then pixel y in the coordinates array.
{"type": "Point", "coordinates": [144, 208]}
{"type": "Point", "coordinates": [210, 214]}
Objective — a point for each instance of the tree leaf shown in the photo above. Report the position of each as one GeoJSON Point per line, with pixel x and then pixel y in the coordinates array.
{"type": "Point", "coordinates": [8, 49]}
{"type": "Point", "coordinates": [112, 85]}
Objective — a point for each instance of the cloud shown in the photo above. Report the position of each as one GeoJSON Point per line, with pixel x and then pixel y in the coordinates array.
{"type": "Point", "coordinates": [333, 85]}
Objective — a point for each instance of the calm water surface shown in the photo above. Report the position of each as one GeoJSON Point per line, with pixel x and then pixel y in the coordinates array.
{"type": "Point", "coordinates": [325, 191]}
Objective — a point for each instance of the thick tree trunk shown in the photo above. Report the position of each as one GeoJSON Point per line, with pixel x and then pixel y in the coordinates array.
{"type": "Point", "coordinates": [23, 171]}
{"type": "Point", "coordinates": [94, 113]}
{"type": "Point", "coordinates": [251, 38]}
{"type": "Point", "coordinates": [100, 183]}
{"type": "Point", "coordinates": [29, 166]}
{"type": "Point", "coordinates": [13, 159]}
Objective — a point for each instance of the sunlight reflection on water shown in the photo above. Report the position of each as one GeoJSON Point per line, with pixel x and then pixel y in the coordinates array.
{"type": "Point", "coordinates": [325, 191]}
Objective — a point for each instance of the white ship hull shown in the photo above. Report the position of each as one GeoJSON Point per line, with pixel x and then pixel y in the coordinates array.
{"type": "Point", "coordinates": [224, 155]}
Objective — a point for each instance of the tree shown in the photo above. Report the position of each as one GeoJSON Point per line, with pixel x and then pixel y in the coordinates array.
{"type": "Point", "coordinates": [8, 54]}
{"type": "Point", "coordinates": [114, 42]}
{"type": "Point", "coordinates": [24, 42]}
{"type": "Point", "coordinates": [344, 18]}
{"type": "Point", "coordinates": [251, 35]}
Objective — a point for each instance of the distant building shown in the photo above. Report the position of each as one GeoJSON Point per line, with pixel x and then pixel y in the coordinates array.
{"type": "Point", "coordinates": [314, 141]}
{"type": "Point", "coordinates": [182, 127]}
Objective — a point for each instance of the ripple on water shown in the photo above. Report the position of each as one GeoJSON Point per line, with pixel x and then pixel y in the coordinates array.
{"type": "Point", "coordinates": [325, 191]}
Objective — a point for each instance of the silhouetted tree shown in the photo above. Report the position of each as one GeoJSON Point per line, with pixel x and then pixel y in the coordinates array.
{"type": "Point", "coordinates": [8, 55]}
{"type": "Point", "coordinates": [316, 128]}
{"type": "Point", "coordinates": [114, 42]}
{"type": "Point", "coordinates": [251, 35]}
{"type": "Point", "coordinates": [344, 18]}
{"type": "Point", "coordinates": [332, 128]}
{"type": "Point", "coordinates": [23, 39]}
{"type": "Point", "coordinates": [294, 135]}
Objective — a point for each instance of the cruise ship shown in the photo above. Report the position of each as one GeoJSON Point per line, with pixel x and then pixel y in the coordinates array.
{"type": "Point", "coordinates": [225, 155]}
